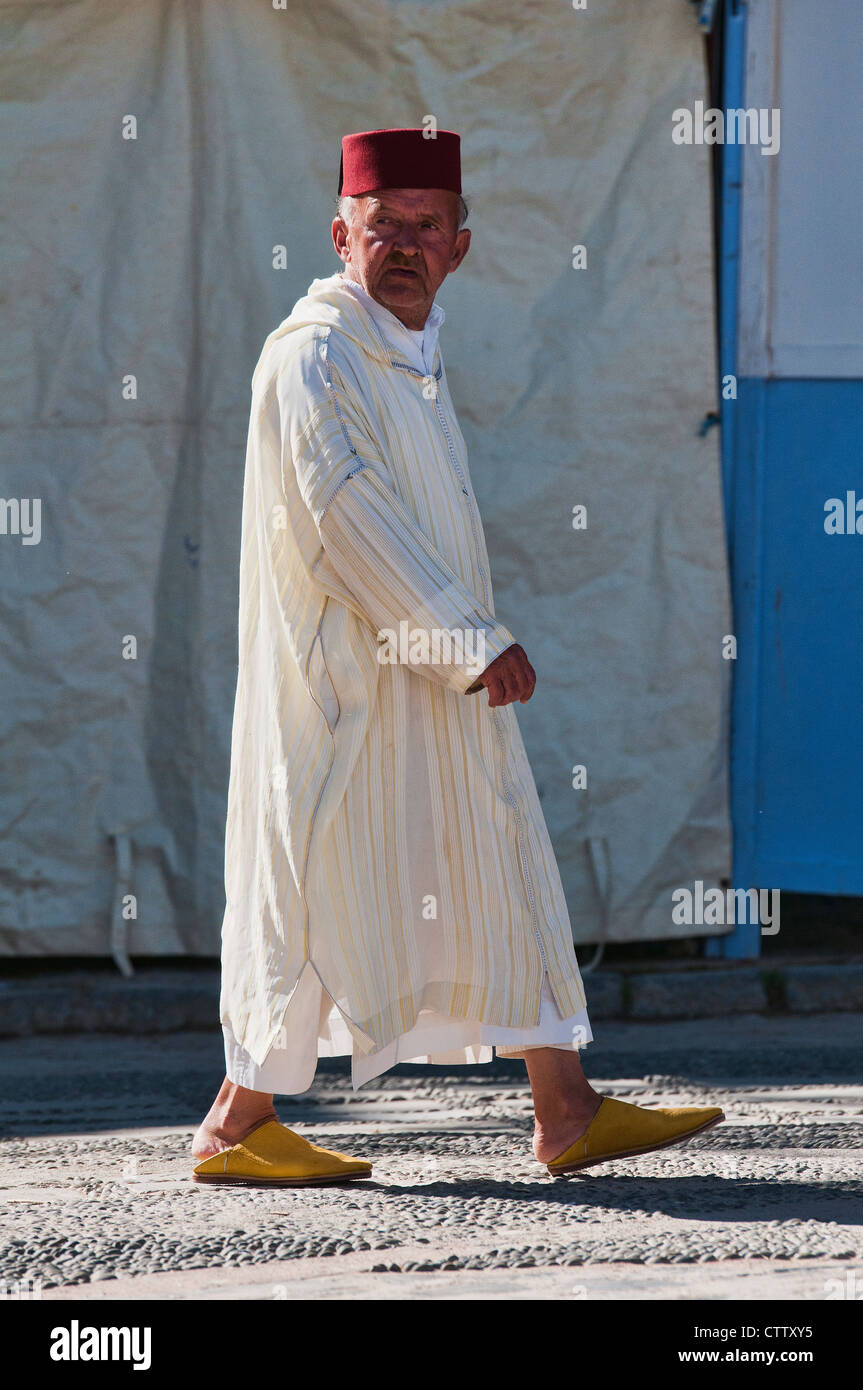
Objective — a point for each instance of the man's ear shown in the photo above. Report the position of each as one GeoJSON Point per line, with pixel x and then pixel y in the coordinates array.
{"type": "Point", "coordinates": [462, 242]}
{"type": "Point", "coordinates": [340, 238]}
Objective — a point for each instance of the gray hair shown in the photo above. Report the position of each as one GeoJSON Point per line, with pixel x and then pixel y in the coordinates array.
{"type": "Point", "coordinates": [346, 206]}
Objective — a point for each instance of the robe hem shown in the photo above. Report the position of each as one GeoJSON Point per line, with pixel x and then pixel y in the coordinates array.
{"type": "Point", "coordinates": [459, 1001]}
{"type": "Point", "coordinates": [450, 998]}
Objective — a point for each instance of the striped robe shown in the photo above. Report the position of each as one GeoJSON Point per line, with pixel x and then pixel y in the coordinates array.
{"type": "Point", "coordinates": [397, 847]}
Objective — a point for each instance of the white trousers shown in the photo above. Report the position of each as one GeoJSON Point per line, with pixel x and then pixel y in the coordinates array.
{"type": "Point", "coordinates": [313, 1027]}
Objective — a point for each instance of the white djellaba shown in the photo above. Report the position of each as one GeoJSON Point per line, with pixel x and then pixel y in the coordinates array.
{"type": "Point", "coordinates": [392, 891]}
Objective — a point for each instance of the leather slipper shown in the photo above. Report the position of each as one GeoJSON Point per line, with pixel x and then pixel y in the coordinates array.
{"type": "Point", "coordinates": [621, 1130]}
{"type": "Point", "coordinates": [274, 1156]}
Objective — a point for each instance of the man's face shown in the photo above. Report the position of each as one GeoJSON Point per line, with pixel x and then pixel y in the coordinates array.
{"type": "Point", "coordinates": [401, 245]}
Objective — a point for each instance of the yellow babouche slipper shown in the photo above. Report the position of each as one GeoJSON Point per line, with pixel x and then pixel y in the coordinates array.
{"type": "Point", "coordinates": [621, 1130]}
{"type": "Point", "coordinates": [274, 1156]}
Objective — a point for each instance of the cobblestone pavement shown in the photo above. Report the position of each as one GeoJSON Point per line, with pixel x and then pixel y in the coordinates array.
{"type": "Point", "coordinates": [98, 1201]}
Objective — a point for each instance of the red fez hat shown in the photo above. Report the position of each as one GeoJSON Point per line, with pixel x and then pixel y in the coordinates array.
{"type": "Point", "coordinates": [400, 158]}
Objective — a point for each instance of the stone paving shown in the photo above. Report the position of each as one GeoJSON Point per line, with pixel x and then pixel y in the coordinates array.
{"type": "Point", "coordinates": [97, 1198]}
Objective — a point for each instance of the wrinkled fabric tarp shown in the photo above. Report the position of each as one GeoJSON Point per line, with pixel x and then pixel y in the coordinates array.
{"type": "Point", "coordinates": [153, 258]}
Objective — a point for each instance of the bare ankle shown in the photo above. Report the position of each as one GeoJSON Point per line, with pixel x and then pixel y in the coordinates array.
{"type": "Point", "coordinates": [236, 1126]}
{"type": "Point", "coordinates": [556, 1129]}
{"type": "Point", "coordinates": [559, 1112]}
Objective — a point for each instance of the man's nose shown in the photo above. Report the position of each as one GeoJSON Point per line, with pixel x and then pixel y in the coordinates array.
{"type": "Point", "coordinates": [407, 240]}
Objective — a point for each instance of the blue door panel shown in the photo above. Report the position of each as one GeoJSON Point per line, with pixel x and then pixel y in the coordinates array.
{"type": "Point", "coordinates": [798, 709]}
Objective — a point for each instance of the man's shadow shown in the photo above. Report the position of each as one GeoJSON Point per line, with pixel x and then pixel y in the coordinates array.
{"type": "Point", "coordinates": [711, 1197]}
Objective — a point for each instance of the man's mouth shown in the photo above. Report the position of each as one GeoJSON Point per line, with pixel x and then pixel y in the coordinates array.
{"type": "Point", "coordinates": [401, 270]}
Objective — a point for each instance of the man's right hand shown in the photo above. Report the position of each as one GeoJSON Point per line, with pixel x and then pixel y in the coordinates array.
{"type": "Point", "coordinates": [509, 677]}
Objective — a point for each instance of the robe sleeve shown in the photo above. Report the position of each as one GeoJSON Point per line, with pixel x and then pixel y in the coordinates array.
{"type": "Point", "coordinates": [394, 571]}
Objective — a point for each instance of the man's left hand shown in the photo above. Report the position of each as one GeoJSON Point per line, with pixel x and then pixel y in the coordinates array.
{"type": "Point", "coordinates": [509, 677]}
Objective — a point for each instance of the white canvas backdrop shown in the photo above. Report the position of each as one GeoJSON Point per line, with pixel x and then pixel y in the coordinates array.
{"type": "Point", "coordinates": [154, 257]}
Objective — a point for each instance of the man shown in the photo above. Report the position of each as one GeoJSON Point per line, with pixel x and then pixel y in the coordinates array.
{"type": "Point", "coordinates": [391, 887]}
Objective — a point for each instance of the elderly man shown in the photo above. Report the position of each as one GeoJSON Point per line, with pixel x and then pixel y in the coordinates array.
{"type": "Point", "coordinates": [391, 888]}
